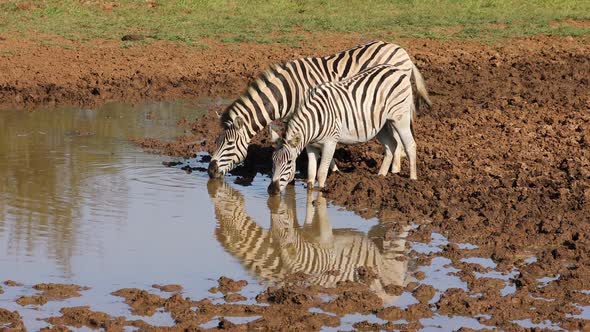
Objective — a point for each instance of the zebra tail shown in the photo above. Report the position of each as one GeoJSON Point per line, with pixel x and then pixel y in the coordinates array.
{"type": "Point", "coordinates": [420, 87]}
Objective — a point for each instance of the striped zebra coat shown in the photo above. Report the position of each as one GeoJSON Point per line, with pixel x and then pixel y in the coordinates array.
{"type": "Point", "coordinates": [326, 255]}
{"type": "Point", "coordinates": [376, 102]}
{"type": "Point", "coordinates": [279, 91]}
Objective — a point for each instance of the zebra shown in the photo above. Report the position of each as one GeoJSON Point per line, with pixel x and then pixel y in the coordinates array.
{"type": "Point", "coordinates": [278, 92]}
{"type": "Point", "coordinates": [376, 102]}
{"type": "Point", "coordinates": [326, 255]}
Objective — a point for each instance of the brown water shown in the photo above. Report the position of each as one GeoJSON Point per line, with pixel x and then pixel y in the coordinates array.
{"type": "Point", "coordinates": [79, 204]}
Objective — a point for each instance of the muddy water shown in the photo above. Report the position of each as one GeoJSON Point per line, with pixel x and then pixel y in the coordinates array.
{"type": "Point", "coordinates": [80, 205]}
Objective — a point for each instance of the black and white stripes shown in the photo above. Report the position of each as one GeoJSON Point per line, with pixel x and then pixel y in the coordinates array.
{"type": "Point", "coordinates": [376, 102]}
{"type": "Point", "coordinates": [279, 91]}
{"type": "Point", "coordinates": [326, 255]}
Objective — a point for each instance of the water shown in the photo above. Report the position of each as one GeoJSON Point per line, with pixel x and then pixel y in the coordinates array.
{"type": "Point", "coordinates": [80, 204]}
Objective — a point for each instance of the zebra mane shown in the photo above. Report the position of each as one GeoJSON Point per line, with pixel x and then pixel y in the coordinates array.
{"type": "Point", "coordinates": [226, 117]}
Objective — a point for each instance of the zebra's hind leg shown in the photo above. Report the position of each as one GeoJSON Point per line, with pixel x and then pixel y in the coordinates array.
{"type": "Point", "coordinates": [327, 155]}
{"type": "Point", "coordinates": [312, 164]}
{"type": "Point", "coordinates": [403, 127]}
{"type": "Point", "coordinates": [398, 153]}
{"type": "Point", "coordinates": [384, 136]}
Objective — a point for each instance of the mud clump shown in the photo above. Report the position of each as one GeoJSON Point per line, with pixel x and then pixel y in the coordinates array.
{"type": "Point", "coordinates": [11, 321]}
{"type": "Point", "coordinates": [227, 285]}
{"type": "Point", "coordinates": [424, 293]}
{"type": "Point", "coordinates": [366, 274]}
{"type": "Point", "coordinates": [286, 295]}
{"type": "Point", "coordinates": [32, 300]}
{"type": "Point", "coordinates": [141, 302]}
{"type": "Point", "coordinates": [172, 288]}
{"type": "Point", "coordinates": [12, 283]}
{"type": "Point", "coordinates": [392, 289]}
{"type": "Point", "coordinates": [60, 291]}
{"type": "Point", "coordinates": [234, 298]}
{"type": "Point", "coordinates": [51, 292]}
{"type": "Point", "coordinates": [412, 313]}
{"type": "Point", "coordinates": [421, 234]}
{"type": "Point", "coordinates": [352, 297]}
{"type": "Point", "coordinates": [83, 316]}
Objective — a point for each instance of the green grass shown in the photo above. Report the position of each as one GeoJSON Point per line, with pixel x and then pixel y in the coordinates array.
{"type": "Point", "coordinates": [190, 21]}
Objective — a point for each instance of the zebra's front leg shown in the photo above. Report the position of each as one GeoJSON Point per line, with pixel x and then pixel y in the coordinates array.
{"type": "Point", "coordinates": [312, 164]}
{"type": "Point", "coordinates": [327, 155]}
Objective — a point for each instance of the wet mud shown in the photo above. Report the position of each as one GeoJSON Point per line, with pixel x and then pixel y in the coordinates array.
{"type": "Point", "coordinates": [502, 202]}
{"type": "Point", "coordinates": [504, 165]}
{"type": "Point", "coordinates": [50, 292]}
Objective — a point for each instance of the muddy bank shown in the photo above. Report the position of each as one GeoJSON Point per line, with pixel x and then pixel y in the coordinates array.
{"type": "Point", "coordinates": [52, 71]}
{"type": "Point", "coordinates": [297, 304]}
{"type": "Point", "coordinates": [503, 166]}
{"type": "Point", "coordinates": [504, 163]}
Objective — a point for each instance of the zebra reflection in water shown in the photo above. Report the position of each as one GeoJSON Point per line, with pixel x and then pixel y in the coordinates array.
{"type": "Point", "coordinates": [327, 255]}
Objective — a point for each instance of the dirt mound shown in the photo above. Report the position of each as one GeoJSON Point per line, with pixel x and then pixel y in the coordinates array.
{"type": "Point", "coordinates": [51, 292]}
{"type": "Point", "coordinates": [141, 302]}
{"type": "Point", "coordinates": [83, 316]}
{"type": "Point", "coordinates": [11, 321]}
{"type": "Point", "coordinates": [228, 285]}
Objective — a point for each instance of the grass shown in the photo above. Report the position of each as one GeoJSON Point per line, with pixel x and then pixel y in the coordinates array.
{"type": "Point", "coordinates": [190, 21]}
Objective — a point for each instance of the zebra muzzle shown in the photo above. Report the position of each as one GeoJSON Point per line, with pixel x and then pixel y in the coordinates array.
{"type": "Point", "coordinates": [213, 170]}
{"type": "Point", "coordinates": [274, 188]}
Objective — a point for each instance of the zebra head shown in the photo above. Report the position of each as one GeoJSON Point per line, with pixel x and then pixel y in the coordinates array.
{"type": "Point", "coordinates": [283, 164]}
{"type": "Point", "coordinates": [232, 146]}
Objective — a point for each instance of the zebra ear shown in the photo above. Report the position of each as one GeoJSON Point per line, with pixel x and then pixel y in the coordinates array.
{"type": "Point", "coordinates": [274, 136]}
